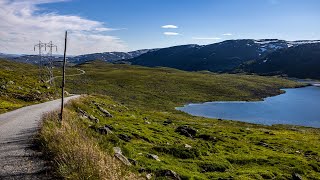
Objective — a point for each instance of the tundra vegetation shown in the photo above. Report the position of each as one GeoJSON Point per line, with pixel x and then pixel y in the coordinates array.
{"type": "Point", "coordinates": [133, 108]}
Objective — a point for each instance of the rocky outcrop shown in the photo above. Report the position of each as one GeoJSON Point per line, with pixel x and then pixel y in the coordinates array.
{"type": "Point", "coordinates": [186, 131]}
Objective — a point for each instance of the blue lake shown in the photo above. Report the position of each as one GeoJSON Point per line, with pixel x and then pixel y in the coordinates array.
{"type": "Point", "coordinates": [300, 106]}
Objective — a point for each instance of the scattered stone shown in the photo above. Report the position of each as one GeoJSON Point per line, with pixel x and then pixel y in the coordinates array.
{"type": "Point", "coordinates": [296, 176]}
{"type": "Point", "coordinates": [122, 158]}
{"type": "Point", "coordinates": [147, 122]}
{"type": "Point", "coordinates": [38, 92]}
{"type": "Point", "coordinates": [10, 82]}
{"type": "Point", "coordinates": [19, 88]}
{"type": "Point", "coordinates": [186, 131]}
{"type": "Point", "coordinates": [207, 137]}
{"type": "Point", "coordinates": [104, 111]}
{"type": "Point", "coordinates": [149, 176]}
{"type": "Point", "coordinates": [66, 93]}
{"type": "Point", "coordinates": [187, 146]}
{"type": "Point", "coordinates": [117, 150]}
{"type": "Point", "coordinates": [145, 118]}
{"type": "Point", "coordinates": [153, 156]}
{"type": "Point", "coordinates": [3, 87]}
{"type": "Point", "coordinates": [124, 137]}
{"type": "Point", "coordinates": [110, 127]}
{"type": "Point", "coordinates": [270, 133]}
{"type": "Point", "coordinates": [92, 118]}
{"type": "Point", "coordinates": [168, 173]}
{"type": "Point", "coordinates": [133, 161]}
{"type": "Point", "coordinates": [167, 122]}
{"type": "Point", "coordinates": [261, 143]}
{"type": "Point", "coordinates": [104, 130]}
{"type": "Point", "coordinates": [141, 170]}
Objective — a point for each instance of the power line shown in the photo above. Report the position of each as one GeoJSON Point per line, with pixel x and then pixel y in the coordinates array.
{"type": "Point", "coordinates": [46, 61]}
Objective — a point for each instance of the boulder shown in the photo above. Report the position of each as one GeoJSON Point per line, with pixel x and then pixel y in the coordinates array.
{"type": "Point", "coordinates": [168, 173]}
{"type": "Point", "coordinates": [153, 156]}
{"type": "Point", "coordinates": [186, 131]}
{"type": "Point", "coordinates": [122, 158]}
{"type": "Point", "coordinates": [104, 111]}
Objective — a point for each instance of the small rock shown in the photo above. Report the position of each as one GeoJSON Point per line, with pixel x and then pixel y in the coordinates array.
{"type": "Point", "coordinates": [167, 122]}
{"type": "Point", "coordinates": [186, 131]}
{"type": "Point", "coordinates": [296, 176]}
{"type": "Point", "coordinates": [110, 127]}
{"type": "Point", "coordinates": [38, 92]}
{"type": "Point", "coordinates": [10, 82]}
{"type": "Point", "coordinates": [149, 176]}
{"type": "Point", "coordinates": [168, 173]}
{"type": "Point", "coordinates": [153, 156]}
{"type": "Point", "coordinates": [187, 146]}
{"type": "Point", "coordinates": [104, 111]}
{"type": "Point", "coordinates": [207, 137]}
{"type": "Point", "coordinates": [124, 137]}
{"type": "Point", "coordinates": [3, 87]}
{"type": "Point", "coordinates": [19, 88]}
{"type": "Point", "coordinates": [122, 158]}
{"type": "Point", "coordinates": [141, 170]}
{"type": "Point", "coordinates": [66, 93]}
{"type": "Point", "coordinates": [133, 161]}
{"type": "Point", "coordinates": [104, 130]}
{"type": "Point", "coordinates": [92, 118]}
{"type": "Point", "coordinates": [147, 122]}
{"type": "Point", "coordinates": [117, 150]}
{"type": "Point", "coordinates": [261, 143]}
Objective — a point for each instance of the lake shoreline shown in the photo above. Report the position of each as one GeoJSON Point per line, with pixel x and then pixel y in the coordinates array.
{"type": "Point", "coordinates": [198, 109]}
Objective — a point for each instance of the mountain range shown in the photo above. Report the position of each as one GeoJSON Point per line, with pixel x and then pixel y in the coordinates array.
{"type": "Point", "coordinates": [299, 59]}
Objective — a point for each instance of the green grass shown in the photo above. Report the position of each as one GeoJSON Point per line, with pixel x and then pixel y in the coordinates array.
{"type": "Point", "coordinates": [19, 86]}
{"type": "Point", "coordinates": [142, 100]}
{"type": "Point", "coordinates": [232, 150]}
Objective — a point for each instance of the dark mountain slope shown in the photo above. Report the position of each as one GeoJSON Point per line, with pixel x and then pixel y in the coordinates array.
{"type": "Point", "coordinates": [223, 56]}
{"type": "Point", "coordinates": [302, 61]}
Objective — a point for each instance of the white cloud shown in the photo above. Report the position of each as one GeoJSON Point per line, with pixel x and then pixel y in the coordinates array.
{"type": "Point", "coordinates": [206, 38]}
{"type": "Point", "coordinates": [171, 33]}
{"type": "Point", "coordinates": [170, 27]}
{"type": "Point", "coordinates": [227, 34]}
{"type": "Point", "coordinates": [22, 25]}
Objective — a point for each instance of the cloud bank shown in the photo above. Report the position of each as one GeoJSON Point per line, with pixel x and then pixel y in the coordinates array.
{"type": "Point", "coordinates": [23, 24]}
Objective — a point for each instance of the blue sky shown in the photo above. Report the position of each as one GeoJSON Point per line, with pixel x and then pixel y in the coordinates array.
{"type": "Point", "coordinates": [137, 24]}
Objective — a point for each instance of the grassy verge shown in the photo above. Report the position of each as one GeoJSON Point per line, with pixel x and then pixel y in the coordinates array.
{"type": "Point", "coordinates": [144, 122]}
{"type": "Point", "coordinates": [75, 154]}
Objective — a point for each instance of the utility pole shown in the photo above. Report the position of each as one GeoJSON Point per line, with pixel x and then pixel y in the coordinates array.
{"type": "Point", "coordinates": [63, 76]}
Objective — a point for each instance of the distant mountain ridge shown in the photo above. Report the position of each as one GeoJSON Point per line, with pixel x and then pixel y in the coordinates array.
{"type": "Point", "coordinates": [219, 57]}
{"type": "Point", "coordinates": [264, 56]}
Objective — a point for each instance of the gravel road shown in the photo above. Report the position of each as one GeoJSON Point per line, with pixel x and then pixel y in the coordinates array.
{"type": "Point", "coordinates": [18, 157]}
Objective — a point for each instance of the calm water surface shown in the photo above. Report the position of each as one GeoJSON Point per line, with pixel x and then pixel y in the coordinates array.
{"type": "Point", "coordinates": [300, 106]}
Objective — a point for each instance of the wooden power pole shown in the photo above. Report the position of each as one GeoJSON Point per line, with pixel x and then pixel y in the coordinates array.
{"type": "Point", "coordinates": [63, 76]}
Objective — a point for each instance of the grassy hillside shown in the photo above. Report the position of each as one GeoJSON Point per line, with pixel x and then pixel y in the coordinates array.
{"type": "Point", "coordinates": [19, 86]}
{"type": "Point", "coordinates": [142, 100]}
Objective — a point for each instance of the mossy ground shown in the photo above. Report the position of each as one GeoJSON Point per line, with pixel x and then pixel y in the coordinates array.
{"type": "Point", "coordinates": [142, 99]}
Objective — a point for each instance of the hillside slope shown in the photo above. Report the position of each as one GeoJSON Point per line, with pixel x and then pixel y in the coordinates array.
{"type": "Point", "coordinates": [301, 61]}
{"type": "Point", "coordinates": [144, 123]}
